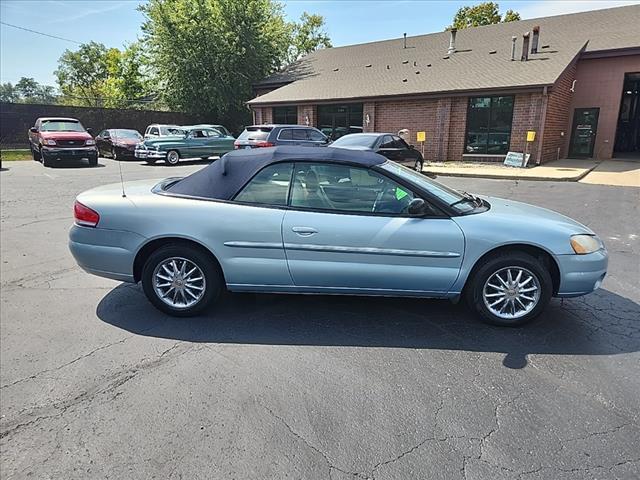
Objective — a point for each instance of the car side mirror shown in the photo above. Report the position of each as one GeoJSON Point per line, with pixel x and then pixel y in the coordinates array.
{"type": "Point", "coordinates": [90, 131]}
{"type": "Point", "coordinates": [412, 147]}
{"type": "Point", "coordinates": [33, 130]}
{"type": "Point", "coordinates": [417, 207]}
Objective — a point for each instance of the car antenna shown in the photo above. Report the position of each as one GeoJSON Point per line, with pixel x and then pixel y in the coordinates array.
{"type": "Point", "coordinates": [124, 195]}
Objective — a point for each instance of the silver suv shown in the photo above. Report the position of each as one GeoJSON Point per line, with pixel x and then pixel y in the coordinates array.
{"type": "Point", "coordinates": [257, 136]}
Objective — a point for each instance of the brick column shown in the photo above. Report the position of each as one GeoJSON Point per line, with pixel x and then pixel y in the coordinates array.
{"type": "Point", "coordinates": [308, 111]}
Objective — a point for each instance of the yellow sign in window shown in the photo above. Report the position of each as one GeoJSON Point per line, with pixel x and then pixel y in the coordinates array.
{"type": "Point", "coordinates": [422, 136]}
{"type": "Point", "coordinates": [531, 136]}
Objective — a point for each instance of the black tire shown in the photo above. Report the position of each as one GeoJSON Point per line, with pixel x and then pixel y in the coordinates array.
{"type": "Point", "coordinates": [93, 161]}
{"type": "Point", "coordinates": [418, 165]}
{"type": "Point", "coordinates": [213, 279]}
{"type": "Point", "coordinates": [474, 291]}
{"type": "Point", "coordinates": [114, 154]}
{"type": "Point", "coordinates": [46, 161]}
{"type": "Point", "coordinates": [173, 157]}
{"type": "Point", "coordinates": [34, 153]}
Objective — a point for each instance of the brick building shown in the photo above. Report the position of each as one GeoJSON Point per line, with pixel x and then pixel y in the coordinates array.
{"type": "Point", "coordinates": [573, 79]}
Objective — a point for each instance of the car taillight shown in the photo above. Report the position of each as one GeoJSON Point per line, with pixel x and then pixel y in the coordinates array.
{"type": "Point", "coordinates": [84, 215]}
{"type": "Point", "coordinates": [265, 144]}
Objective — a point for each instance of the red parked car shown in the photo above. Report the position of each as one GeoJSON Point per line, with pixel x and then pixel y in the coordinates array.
{"type": "Point", "coordinates": [55, 139]}
{"type": "Point", "coordinates": [118, 143]}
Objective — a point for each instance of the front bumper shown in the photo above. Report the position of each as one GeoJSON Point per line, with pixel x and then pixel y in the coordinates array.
{"type": "Point", "coordinates": [149, 154]}
{"type": "Point", "coordinates": [581, 274]}
{"type": "Point", "coordinates": [56, 153]}
{"type": "Point", "coordinates": [103, 252]}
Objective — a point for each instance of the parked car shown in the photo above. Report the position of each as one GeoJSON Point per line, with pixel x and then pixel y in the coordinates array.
{"type": "Point", "coordinates": [118, 143]}
{"type": "Point", "coordinates": [189, 142]}
{"type": "Point", "coordinates": [256, 136]}
{"type": "Point", "coordinates": [157, 130]}
{"type": "Point", "coordinates": [53, 139]}
{"type": "Point", "coordinates": [391, 146]}
{"type": "Point", "coordinates": [331, 221]}
{"type": "Point", "coordinates": [224, 130]}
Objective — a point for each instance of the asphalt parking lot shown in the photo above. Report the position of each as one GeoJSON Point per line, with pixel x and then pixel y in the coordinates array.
{"type": "Point", "coordinates": [96, 383]}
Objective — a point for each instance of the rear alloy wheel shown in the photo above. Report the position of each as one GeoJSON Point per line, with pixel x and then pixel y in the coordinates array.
{"type": "Point", "coordinates": [173, 157]}
{"type": "Point", "coordinates": [510, 289]}
{"type": "Point", "coordinates": [180, 280]}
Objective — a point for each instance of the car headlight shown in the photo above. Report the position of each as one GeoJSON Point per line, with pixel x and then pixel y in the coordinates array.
{"type": "Point", "coordinates": [583, 244]}
{"type": "Point", "coordinates": [49, 141]}
{"type": "Point", "coordinates": [90, 142]}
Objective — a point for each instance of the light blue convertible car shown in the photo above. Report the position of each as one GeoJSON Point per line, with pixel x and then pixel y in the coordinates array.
{"type": "Point", "coordinates": [331, 221]}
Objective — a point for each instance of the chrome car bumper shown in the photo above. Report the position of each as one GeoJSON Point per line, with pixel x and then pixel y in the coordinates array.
{"type": "Point", "coordinates": [106, 253]}
{"type": "Point", "coordinates": [581, 274]}
{"type": "Point", "coordinates": [153, 154]}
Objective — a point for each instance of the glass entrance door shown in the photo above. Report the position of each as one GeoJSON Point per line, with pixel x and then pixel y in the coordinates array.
{"type": "Point", "coordinates": [583, 135]}
{"type": "Point", "coordinates": [338, 120]}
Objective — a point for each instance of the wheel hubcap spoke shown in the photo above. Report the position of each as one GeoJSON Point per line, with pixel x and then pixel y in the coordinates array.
{"type": "Point", "coordinates": [503, 293]}
{"type": "Point", "coordinates": [179, 282]}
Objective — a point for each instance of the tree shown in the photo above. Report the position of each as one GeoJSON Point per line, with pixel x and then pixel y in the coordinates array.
{"type": "Point", "coordinates": [98, 76]}
{"type": "Point", "coordinates": [8, 93]}
{"type": "Point", "coordinates": [27, 90]}
{"type": "Point", "coordinates": [307, 36]}
{"type": "Point", "coordinates": [207, 54]}
{"type": "Point", "coordinates": [486, 13]}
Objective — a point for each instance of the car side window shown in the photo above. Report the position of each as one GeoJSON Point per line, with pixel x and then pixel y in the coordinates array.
{"type": "Point", "coordinates": [286, 134]}
{"type": "Point", "coordinates": [153, 131]}
{"type": "Point", "coordinates": [347, 189]}
{"type": "Point", "coordinates": [387, 142]}
{"type": "Point", "coordinates": [316, 136]}
{"type": "Point", "coordinates": [299, 134]}
{"type": "Point", "coordinates": [270, 186]}
{"type": "Point", "coordinates": [399, 143]}
{"type": "Point", "coordinates": [212, 133]}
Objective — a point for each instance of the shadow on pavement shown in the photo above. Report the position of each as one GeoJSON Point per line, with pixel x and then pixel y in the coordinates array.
{"type": "Point", "coordinates": [600, 324]}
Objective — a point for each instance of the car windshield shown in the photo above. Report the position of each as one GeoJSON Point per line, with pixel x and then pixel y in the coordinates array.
{"type": "Point", "coordinates": [61, 126]}
{"type": "Point", "coordinates": [132, 134]}
{"type": "Point", "coordinates": [356, 140]}
{"type": "Point", "coordinates": [459, 201]}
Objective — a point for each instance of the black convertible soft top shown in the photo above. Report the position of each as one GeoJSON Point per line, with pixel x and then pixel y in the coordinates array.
{"type": "Point", "coordinates": [225, 177]}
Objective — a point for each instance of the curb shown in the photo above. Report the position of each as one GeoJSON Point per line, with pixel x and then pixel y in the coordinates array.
{"type": "Point", "coordinates": [574, 178]}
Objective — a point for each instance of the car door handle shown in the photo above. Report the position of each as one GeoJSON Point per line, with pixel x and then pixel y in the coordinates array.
{"type": "Point", "coordinates": [304, 231]}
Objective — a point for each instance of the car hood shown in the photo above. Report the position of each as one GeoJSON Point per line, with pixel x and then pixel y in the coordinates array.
{"type": "Point", "coordinates": [513, 211]}
{"type": "Point", "coordinates": [66, 135]}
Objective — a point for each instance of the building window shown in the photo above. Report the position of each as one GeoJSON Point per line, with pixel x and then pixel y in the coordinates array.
{"type": "Point", "coordinates": [489, 125]}
{"type": "Point", "coordinates": [338, 120]}
{"type": "Point", "coordinates": [285, 115]}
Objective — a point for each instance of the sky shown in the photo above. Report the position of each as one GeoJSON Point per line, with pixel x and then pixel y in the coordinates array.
{"type": "Point", "coordinates": [117, 22]}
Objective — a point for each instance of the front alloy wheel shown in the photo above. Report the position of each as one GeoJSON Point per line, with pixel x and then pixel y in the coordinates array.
{"type": "Point", "coordinates": [510, 288]}
{"type": "Point", "coordinates": [418, 166]}
{"type": "Point", "coordinates": [114, 154]}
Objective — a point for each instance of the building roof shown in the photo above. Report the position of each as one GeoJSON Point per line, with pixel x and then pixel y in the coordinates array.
{"type": "Point", "coordinates": [482, 60]}
{"type": "Point", "coordinates": [223, 179]}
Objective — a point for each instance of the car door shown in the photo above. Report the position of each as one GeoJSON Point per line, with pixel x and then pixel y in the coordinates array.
{"type": "Point", "coordinates": [254, 256]}
{"type": "Point", "coordinates": [196, 144]}
{"type": "Point", "coordinates": [388, 148]}
{"type": "Point", "coordinates": [218, 143]}
{"type": "Point", "coordinates": [347, 231]}
{"type": "Point", "coordinates": [103, 142]}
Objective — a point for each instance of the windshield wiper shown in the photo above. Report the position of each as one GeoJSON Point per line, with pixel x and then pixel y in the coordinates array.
{"type": "Point", "coordinates": [467, 197]}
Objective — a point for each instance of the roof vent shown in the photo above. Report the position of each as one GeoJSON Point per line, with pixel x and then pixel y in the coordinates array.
{"type": "Point", "coordinates": [534, 39]}
{"type": "Point", "coordinates": [452, 41]}
{"type": "Point", "coordinates": [428, 64]}
{"type": "Point", "coordinates": [491, 52]}
{"type": "Point", "coordinates": [368, 65]}
{"type": "Point", "coordinates": [405, 40]}
{"type": "Point", "coordinates": [525, 47]}
{"type": "Point", "coordinates": [417, 72]}
{"type": "Point", "coordinates": [388, 67]}
{"type": "Point", "coordinates": [514, 39]}
{"type": "Point", "coordinates": [415, 64]}
{"type": "Point", "coordinates": [404, 80]}
{"type": "Point", "coordinates": [336, 69]}
{"type": "Point", "coordinates": [404, 62]}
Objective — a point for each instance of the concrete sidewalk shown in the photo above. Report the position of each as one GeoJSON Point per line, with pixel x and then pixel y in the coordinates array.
{"type": "Point", "coordinates": [618, 173]}
{"type": "Point", "coordinates": [560, 170]}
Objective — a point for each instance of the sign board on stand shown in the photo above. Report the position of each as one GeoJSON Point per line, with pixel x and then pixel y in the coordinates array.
{"type": "Point", "coordinates": [516, 159]}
